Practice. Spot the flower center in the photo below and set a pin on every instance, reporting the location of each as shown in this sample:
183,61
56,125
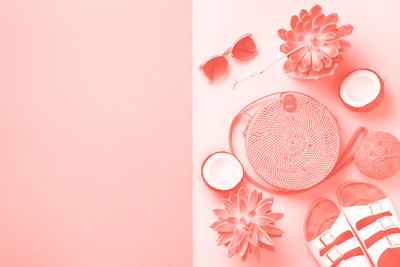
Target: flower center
246,225
312,42
315,41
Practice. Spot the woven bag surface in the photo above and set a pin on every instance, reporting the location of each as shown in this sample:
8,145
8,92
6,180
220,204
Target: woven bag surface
293,149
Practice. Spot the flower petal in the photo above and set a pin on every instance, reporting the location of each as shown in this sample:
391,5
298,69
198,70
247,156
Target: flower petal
264,208
264,238
237,238
230,206
251,213
316,74
256,252
299,28
252,201
327,36
331,18
330,51
246,254
337,59
291,36
315,10
307,27
225,227
242,194
233,197
224,238
289,66
317,22
243,246
332,27
293,21
282,34
305,64
292,45
303,12
242,207
232,220
306,17
263,220
221,213
273,230
316,61
284,48
327,61
266,200
215,224
255,226
303,68
253,237
231,251
344,45
344,30
329,71
276,216
298,55
260,197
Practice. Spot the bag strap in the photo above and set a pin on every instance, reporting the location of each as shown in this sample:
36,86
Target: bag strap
347,156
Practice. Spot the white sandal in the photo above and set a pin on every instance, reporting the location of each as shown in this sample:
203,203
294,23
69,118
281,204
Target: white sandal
373,219
330,238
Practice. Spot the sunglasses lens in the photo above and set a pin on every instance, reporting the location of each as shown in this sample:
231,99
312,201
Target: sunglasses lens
215,68
245,49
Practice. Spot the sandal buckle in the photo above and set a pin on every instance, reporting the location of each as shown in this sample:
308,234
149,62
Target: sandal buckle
393,240
334,254
376,208
327,238
386,222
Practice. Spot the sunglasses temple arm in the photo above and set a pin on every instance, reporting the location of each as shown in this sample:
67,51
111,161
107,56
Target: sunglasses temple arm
235,84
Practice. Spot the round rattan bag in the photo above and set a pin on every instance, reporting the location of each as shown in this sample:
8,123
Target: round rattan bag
286,141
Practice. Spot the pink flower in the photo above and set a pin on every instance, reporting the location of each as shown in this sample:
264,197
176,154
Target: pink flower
246,224
314,44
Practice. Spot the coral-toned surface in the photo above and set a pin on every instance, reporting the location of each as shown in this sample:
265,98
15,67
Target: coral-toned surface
246,224
314,44
91,172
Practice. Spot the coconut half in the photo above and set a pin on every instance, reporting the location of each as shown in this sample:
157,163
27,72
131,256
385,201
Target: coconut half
361,90
222,171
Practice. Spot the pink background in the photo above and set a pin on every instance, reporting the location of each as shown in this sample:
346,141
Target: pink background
216,26
95,126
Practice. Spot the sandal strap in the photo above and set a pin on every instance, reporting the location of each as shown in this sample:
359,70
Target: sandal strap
339,240
376,225
371,219
336,245
383,234
341,262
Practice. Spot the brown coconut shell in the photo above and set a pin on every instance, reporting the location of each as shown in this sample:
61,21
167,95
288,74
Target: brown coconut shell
378,155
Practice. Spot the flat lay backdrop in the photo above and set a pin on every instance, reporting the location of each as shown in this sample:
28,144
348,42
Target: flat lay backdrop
95,133
216,25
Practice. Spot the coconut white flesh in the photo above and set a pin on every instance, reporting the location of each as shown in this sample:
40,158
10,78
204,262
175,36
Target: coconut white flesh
222,171
360,88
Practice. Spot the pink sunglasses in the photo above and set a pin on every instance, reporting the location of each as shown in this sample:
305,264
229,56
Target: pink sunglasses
243,50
